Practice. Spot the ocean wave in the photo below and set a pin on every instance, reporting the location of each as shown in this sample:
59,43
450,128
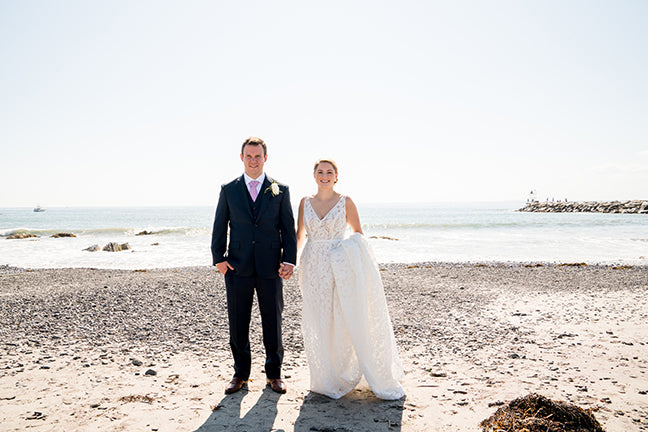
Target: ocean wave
526,224
127,231
419,225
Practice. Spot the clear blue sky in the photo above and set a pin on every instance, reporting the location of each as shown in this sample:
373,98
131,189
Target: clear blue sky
147,102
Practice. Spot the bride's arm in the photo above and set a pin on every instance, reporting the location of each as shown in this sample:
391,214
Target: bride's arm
301,230
353,219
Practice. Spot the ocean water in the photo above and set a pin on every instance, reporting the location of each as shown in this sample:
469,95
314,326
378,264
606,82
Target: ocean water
483,232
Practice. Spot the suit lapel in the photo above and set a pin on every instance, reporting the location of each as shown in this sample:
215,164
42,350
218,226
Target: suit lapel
263,196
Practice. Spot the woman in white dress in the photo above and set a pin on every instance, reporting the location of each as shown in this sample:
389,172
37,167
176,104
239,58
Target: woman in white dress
347,330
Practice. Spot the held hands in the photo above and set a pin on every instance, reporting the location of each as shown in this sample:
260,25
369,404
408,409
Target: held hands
286,271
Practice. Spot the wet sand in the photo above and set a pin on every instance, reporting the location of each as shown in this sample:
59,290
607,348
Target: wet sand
84,349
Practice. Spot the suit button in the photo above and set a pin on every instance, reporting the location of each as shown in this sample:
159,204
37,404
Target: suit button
253,242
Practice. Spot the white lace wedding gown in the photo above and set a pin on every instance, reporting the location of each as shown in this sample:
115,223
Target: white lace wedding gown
346,324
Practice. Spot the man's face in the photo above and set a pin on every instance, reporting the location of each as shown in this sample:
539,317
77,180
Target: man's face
253,160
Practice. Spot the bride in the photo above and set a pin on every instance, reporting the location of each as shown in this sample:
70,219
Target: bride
347,329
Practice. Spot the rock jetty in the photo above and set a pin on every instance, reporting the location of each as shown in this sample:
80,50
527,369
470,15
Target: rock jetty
632,207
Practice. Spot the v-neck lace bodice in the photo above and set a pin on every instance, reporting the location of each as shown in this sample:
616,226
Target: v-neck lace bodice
330,227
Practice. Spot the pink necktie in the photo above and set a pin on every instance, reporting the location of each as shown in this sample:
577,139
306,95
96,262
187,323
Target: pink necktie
253,189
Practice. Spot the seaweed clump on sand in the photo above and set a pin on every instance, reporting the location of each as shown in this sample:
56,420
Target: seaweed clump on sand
536,413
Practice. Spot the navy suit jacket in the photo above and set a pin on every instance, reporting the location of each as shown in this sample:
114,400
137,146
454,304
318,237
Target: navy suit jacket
256,245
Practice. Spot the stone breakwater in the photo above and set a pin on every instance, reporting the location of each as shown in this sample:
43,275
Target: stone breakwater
631,207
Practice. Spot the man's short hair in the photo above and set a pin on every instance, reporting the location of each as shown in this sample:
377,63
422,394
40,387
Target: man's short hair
255,142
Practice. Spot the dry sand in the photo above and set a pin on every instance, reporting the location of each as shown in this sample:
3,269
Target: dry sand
76,345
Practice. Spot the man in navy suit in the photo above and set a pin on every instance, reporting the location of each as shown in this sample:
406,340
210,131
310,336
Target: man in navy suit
262,251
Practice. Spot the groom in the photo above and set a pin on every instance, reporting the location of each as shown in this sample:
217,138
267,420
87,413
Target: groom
262,251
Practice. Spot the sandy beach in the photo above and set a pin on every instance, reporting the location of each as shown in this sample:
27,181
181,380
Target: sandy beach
123,350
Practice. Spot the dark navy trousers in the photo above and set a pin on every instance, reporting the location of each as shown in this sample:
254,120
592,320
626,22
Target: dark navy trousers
240,296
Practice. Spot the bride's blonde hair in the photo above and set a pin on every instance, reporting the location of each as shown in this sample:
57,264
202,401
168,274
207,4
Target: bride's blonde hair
329,161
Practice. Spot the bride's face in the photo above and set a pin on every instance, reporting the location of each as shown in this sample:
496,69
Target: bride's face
325,175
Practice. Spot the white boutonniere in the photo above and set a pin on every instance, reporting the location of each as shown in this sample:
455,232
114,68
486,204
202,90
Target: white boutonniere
273,188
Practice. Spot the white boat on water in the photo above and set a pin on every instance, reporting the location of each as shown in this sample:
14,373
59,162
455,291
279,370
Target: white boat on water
39,209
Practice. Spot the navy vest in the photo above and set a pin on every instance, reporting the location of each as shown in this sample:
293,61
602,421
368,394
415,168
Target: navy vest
254,205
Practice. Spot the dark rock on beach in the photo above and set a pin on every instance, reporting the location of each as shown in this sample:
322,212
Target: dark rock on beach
384,238
93,248
62,234
116,247
17,236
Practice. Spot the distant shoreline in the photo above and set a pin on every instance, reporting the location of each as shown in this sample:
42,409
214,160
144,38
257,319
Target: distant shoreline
623,207
6,269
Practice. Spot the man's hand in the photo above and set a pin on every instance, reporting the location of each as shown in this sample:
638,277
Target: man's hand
224,266
286,271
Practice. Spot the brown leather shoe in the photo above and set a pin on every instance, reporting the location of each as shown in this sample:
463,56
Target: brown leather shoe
277,385
235,385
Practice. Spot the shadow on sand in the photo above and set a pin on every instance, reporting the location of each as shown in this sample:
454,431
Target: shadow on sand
358,411
227,415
